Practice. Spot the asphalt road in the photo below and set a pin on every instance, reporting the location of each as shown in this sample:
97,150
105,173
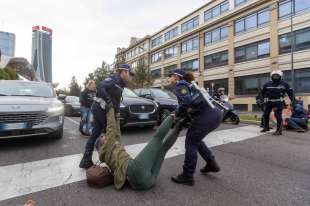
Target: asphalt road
264,170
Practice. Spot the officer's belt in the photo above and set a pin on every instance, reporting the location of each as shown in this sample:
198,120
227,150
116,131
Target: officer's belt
101,102
275,100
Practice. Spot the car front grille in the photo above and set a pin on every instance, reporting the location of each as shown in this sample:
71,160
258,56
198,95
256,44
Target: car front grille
33,118
141,109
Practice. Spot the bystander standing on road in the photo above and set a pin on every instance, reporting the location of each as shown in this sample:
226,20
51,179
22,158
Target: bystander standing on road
86,99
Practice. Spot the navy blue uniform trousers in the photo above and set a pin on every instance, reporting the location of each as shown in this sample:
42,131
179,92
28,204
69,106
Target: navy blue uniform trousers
278,106
100,123
203,123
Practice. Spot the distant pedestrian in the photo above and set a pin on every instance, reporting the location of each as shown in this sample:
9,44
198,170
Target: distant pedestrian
86,100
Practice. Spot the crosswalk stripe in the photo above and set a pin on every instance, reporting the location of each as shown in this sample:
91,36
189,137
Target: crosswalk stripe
26,178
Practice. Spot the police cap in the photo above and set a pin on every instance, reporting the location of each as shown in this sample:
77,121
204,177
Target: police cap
126,67
178,72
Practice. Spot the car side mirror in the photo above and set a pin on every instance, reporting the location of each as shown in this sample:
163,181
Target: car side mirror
148,96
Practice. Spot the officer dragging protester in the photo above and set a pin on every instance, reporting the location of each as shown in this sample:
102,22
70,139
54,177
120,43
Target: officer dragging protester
109,94
274,92
204,118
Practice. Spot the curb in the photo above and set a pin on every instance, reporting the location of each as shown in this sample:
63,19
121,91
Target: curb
250,122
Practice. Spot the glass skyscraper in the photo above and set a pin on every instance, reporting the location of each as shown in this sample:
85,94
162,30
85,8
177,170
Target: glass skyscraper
7,44
42,52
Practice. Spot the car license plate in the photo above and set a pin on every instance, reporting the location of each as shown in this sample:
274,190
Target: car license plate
13,126
143,116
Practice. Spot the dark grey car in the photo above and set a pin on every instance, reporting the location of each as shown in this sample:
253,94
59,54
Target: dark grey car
29,109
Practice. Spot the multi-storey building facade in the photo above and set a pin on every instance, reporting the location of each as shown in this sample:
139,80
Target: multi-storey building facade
235,44
7,44
42,52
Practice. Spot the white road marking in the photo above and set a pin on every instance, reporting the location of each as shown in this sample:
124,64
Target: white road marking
26,178
73,121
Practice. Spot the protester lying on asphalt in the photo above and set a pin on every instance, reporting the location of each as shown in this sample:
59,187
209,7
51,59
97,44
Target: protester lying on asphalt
299,119
142,171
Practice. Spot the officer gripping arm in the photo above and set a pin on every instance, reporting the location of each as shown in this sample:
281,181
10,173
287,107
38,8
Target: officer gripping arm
290,93
103,88
184,98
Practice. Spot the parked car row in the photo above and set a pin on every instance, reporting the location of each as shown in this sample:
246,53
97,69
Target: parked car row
33,109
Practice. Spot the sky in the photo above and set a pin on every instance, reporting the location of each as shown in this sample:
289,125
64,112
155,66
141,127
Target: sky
87,32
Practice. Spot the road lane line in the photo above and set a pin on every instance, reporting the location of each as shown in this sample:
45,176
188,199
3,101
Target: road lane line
73,121
26,178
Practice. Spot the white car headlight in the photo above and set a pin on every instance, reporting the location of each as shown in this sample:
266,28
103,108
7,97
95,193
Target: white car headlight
122,105
56,108
156,104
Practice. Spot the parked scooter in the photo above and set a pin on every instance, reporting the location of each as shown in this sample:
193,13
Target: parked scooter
229,113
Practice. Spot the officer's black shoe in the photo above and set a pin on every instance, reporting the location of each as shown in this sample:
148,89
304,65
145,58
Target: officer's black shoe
211,166
265,130
277,133
183,179
86,161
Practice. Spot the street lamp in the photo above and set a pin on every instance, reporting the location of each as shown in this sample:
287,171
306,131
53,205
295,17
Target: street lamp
292,46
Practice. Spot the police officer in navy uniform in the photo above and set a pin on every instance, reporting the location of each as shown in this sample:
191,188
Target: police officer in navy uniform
109,94
274,92
204,119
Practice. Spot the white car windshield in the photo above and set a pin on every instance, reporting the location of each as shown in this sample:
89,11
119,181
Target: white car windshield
163,94
129,93
13,88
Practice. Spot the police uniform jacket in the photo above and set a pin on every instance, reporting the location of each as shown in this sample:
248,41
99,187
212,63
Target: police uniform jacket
276,90
110,90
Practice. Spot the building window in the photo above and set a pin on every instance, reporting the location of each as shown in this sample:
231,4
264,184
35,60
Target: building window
252,21
216,11
156,57
171,34
156,73
213,85
169,70
190,45
239,2
134,64
250,85
216,60
285,43
302,79
157,41
191,24
192,65
285,7
241,107
301,38
217,34
170,52
252,51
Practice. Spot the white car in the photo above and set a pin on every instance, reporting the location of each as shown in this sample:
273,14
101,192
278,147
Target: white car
29,109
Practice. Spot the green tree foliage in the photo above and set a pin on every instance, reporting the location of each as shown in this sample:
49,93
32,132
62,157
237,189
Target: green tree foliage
8,74
100,73
63,91
74,87
142,78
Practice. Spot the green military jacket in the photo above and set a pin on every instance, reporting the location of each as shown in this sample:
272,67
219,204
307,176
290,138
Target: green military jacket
113,153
